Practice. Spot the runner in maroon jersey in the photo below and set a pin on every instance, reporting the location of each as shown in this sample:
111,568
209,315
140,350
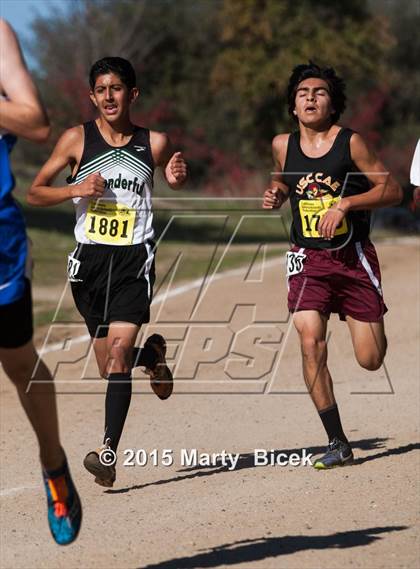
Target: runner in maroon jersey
333,181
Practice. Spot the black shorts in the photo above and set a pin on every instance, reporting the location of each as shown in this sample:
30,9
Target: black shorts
16,323
112,283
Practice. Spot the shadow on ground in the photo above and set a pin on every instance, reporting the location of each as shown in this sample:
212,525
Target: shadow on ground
247,461
253,550
388,452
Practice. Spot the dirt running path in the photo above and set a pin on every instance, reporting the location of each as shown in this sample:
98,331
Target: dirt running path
254,517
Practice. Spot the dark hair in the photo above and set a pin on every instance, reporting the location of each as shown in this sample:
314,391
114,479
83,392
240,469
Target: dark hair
117,65
336,86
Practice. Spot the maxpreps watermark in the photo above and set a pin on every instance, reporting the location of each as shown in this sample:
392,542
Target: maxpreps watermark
193,458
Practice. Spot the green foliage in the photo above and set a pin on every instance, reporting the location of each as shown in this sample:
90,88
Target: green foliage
399,118
263,40
213,73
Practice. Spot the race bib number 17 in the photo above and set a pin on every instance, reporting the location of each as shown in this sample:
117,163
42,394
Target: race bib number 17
294,263
311,212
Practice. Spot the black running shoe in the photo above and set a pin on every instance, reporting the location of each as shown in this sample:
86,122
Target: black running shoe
338,454
101,463
161,379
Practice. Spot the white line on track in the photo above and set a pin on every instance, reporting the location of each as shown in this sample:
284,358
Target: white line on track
8,492
196,283
187,287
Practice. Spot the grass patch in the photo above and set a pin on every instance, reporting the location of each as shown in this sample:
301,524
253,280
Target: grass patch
44,316
50,250
179,260
197,260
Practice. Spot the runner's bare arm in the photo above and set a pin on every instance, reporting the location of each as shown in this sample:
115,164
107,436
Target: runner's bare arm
67,152
385,191
278,192
22,112
172,163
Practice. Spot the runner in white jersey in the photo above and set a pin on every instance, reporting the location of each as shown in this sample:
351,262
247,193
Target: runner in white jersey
111,269
415,175
128,171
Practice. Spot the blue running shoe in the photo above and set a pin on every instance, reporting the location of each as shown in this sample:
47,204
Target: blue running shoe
64,507
338,454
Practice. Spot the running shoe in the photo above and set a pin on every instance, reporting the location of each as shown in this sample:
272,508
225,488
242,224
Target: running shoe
338,454
161,379
64,506
101,463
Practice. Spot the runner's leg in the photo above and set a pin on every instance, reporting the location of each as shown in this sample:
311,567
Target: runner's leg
114,356
369,342
120,341
101,354
147,356
39,402
312,328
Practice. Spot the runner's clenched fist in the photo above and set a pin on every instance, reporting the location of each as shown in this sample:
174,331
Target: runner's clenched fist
92,187
176,169
272,199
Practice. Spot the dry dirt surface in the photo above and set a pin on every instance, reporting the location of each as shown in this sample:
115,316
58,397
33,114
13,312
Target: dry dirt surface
238,388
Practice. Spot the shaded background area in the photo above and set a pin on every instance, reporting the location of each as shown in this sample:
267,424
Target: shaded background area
213,74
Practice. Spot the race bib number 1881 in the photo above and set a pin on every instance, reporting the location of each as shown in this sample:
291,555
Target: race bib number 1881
111,223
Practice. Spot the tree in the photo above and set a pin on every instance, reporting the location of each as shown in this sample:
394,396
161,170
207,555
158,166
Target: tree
262,40
213,73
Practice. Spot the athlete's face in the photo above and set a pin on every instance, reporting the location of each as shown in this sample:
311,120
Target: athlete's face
313,102
112,97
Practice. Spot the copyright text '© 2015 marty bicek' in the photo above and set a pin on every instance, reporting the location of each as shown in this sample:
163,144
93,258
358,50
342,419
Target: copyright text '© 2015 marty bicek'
230,460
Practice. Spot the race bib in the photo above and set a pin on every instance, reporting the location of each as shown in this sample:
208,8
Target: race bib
73,266
294,263
109,222
311,212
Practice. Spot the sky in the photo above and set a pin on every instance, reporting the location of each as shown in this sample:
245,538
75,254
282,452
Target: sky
20,13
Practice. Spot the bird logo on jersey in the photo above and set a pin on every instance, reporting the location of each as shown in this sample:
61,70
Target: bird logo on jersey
315,191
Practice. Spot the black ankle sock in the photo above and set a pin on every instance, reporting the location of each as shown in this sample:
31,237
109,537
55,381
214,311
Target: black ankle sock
145,356
117,403
58,471
330,418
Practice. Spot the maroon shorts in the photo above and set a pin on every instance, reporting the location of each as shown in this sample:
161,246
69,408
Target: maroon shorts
346,281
